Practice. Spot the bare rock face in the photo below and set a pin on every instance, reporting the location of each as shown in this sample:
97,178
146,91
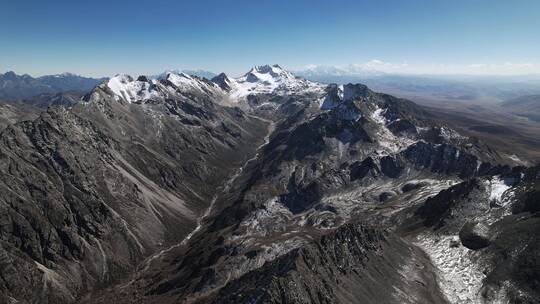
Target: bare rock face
354,264
474,236
11,113
62,99
437,209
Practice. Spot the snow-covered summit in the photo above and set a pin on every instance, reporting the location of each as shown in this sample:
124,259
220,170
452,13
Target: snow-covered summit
198,73
185,82
124,86
265,79
267,73
65,75
269,79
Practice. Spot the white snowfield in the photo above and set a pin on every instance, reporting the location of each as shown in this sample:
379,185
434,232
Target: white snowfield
459,274
497,187
123,86
461,270
390,143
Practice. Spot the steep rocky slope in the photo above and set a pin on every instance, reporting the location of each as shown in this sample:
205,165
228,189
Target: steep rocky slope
63,99
11,113
353,264
89,192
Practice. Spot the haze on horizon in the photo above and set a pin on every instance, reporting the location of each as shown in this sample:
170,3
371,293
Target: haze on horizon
103,38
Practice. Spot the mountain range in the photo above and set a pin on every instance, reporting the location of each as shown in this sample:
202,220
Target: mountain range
266,188
17,87
525,106
198,73
442,88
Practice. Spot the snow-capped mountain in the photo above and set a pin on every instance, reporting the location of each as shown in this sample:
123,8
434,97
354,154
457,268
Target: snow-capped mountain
266,188
125,87
198,73
259,80
140,90
270,79
322,71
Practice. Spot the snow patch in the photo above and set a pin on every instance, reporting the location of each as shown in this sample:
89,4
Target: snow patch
449,134
459,272
516,159
389,142
272,217
497,188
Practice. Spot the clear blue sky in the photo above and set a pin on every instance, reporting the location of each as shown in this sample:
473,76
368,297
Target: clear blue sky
101,38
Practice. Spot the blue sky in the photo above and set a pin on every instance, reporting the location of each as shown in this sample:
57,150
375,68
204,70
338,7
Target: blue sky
102,38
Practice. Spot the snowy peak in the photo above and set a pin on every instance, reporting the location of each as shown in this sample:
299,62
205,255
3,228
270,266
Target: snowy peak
224,82
268,73
65,75
180,79
198,73
123,86
271,79
185,82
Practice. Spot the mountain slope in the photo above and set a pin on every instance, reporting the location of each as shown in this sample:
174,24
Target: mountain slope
63,99
91,191
11,113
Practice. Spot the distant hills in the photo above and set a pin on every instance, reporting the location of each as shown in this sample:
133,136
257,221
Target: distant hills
435,88
524,106
18,87
37,90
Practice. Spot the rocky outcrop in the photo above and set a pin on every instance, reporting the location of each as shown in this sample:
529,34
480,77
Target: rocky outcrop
439,207
354,264
62,99
474,236
11,113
